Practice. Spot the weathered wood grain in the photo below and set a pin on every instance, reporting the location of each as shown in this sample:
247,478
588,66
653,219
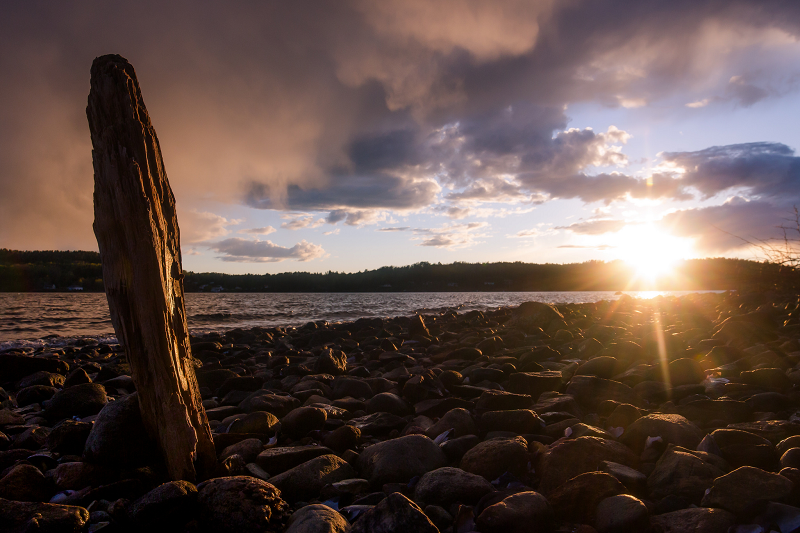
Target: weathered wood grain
137,231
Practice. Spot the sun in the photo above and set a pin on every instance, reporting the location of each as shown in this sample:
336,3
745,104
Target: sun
650,251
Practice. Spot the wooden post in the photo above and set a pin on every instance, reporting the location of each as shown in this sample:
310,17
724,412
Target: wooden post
137,231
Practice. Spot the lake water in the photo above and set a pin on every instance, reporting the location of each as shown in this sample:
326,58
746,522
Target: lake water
31,319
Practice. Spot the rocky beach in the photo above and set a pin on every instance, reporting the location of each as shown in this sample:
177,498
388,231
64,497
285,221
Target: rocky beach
675,414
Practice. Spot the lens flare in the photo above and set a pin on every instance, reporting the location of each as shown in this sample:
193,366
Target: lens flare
650,251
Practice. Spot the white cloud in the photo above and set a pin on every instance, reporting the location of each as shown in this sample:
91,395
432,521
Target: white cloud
699,103
201,226
301,221
259,231
245,251
451,236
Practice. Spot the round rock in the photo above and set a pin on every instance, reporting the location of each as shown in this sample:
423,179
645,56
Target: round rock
241,503
621,513
524,512
448,485
490,459
399,460
317,518
299,422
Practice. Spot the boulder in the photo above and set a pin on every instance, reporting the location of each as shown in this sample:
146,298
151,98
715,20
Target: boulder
523,512
377,423
282,458
623,415
35,394
535,383
673,429
69,437
634,481
306,480
299,422
240,503
258,423
790,459
81,400
772,430
621,513
518,421
684,371
742,490
492,458
20,517
394,514
355,388
14,367
569,458
399,460
26,483
32,438
771,379
696,520
604,367
9,417
530,316
342,438
446,486
168,506
576,500
248,449
557,402
416,326
458,419
118,437
264,400
77,377
387,402
75,475
681,473
317,518
331,361
740,448
590,391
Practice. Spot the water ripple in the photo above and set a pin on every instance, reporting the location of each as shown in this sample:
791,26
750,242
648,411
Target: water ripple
26,317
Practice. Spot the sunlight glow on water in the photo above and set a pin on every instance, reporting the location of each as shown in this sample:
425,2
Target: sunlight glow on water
32,316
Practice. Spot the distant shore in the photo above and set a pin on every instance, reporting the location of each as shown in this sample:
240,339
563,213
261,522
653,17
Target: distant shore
82,272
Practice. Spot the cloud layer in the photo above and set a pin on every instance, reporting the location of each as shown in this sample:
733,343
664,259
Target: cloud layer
354,112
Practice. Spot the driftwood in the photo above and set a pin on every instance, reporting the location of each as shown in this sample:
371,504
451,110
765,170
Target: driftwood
137,231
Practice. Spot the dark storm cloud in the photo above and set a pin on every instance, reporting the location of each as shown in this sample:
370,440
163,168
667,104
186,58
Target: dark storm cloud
239,250
354,106
375,191
765,170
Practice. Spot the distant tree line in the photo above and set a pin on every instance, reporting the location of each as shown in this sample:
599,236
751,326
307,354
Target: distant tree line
49,270
36,271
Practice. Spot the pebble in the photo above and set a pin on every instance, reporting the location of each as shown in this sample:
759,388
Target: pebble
535,418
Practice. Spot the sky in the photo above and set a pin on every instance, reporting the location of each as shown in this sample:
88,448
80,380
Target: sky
350,135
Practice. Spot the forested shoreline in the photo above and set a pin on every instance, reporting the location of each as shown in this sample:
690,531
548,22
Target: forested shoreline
62,271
